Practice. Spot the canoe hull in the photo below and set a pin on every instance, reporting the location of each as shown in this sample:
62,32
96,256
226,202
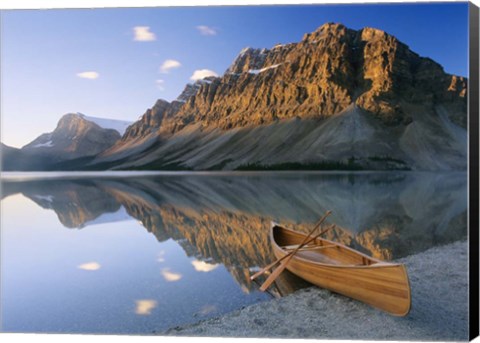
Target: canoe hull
381,285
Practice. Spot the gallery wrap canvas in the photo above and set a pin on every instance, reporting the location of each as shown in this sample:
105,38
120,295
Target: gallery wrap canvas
301,171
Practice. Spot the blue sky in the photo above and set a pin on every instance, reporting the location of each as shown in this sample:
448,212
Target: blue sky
108,62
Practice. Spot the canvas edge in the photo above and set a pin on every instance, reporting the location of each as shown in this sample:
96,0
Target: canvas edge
473,104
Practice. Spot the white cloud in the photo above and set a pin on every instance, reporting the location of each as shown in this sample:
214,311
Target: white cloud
201,266
160,84
92,75
143,34
145,307
90,266
201,74
206,31
170,276
168,65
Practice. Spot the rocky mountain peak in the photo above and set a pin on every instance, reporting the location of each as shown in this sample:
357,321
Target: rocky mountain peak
331,69
367,77
248,59
160,105
161,115
150,120
327,29
75,136
369,34
71,122
191,89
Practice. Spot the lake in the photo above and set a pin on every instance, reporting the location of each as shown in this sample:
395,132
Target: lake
139,253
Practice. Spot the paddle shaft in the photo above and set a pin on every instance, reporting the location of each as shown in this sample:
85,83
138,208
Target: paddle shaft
271,265
285,261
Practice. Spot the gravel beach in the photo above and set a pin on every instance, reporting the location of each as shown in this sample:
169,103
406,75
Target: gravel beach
439,284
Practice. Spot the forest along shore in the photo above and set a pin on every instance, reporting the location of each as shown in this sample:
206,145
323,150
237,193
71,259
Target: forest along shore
439,308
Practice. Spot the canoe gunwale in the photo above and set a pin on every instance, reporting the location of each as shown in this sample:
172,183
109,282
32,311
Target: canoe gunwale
377,263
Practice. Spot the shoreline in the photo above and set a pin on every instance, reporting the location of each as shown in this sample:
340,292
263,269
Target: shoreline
439,285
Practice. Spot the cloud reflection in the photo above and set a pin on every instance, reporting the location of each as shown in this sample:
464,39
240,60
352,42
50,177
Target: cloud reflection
161,256
170,276
90,266
144,307
201,266
207,309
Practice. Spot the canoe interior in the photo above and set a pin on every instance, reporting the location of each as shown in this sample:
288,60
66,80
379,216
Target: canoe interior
321,250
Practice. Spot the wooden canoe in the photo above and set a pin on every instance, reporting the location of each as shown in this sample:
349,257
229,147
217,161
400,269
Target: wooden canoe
345,271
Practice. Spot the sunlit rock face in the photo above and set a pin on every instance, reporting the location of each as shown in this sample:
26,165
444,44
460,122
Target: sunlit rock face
360,99
327,71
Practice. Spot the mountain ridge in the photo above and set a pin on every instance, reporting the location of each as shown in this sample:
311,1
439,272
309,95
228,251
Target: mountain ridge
332,71
337,99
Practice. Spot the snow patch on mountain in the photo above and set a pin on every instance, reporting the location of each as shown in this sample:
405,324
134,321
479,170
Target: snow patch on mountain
48,198
44,145
118,125
110,217
258,71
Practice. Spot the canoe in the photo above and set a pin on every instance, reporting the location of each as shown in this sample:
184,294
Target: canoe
346,271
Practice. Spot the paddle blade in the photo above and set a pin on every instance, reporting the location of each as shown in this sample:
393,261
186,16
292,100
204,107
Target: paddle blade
267,268
271,279
263,270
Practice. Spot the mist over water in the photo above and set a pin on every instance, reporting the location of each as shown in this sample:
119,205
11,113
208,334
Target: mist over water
140,253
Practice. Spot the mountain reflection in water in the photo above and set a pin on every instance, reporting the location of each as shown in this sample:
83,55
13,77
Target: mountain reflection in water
224,219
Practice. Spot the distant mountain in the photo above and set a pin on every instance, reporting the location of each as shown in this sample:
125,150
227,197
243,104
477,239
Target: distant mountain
75,136
16,159
338,99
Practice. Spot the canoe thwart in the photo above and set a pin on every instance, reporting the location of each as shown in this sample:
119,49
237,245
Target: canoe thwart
308,247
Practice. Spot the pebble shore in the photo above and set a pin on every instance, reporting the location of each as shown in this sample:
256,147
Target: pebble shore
439,284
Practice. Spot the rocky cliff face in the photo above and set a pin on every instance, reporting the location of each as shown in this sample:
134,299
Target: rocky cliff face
381,89
323,74
161,114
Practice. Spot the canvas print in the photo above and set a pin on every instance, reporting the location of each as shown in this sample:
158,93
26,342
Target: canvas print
290,171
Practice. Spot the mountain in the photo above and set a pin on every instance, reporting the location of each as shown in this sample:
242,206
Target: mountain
75,136
338,99
16,159
144,132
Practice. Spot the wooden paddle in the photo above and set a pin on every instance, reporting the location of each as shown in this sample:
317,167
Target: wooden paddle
285,259
271,265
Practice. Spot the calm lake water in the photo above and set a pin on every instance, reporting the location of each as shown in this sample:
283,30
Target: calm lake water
141,253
